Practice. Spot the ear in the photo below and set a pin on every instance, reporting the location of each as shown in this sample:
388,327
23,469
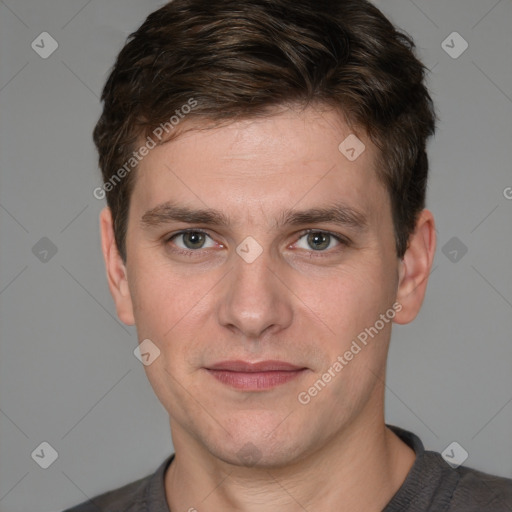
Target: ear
415,268
115,268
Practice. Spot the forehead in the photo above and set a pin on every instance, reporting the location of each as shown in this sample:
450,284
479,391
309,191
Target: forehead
262,166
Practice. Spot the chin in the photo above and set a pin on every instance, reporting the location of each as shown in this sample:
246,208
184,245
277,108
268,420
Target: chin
254,455
255,448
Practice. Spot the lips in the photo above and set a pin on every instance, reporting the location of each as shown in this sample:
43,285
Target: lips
261,376
247,367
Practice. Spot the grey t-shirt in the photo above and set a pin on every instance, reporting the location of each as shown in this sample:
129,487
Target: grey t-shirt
431,485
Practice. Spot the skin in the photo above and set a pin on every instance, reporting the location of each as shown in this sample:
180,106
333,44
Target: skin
292,303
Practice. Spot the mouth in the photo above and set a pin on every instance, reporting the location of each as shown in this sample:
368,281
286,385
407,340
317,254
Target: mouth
259,376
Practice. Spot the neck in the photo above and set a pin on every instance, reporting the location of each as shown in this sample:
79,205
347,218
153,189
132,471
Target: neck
358,471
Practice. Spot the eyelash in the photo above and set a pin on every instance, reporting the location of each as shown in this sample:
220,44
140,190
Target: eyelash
341,239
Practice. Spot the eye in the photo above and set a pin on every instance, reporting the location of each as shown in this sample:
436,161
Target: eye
320,241
191,240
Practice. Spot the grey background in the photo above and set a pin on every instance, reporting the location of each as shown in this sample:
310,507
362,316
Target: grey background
68,375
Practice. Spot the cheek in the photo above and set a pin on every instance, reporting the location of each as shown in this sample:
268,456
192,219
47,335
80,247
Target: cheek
160,296
171,310
348,299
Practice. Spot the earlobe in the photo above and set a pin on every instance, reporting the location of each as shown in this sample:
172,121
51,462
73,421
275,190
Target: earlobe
117,277
415,268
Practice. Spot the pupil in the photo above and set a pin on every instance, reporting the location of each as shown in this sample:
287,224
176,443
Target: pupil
193,239
318,240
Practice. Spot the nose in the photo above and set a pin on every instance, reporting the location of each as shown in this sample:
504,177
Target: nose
255,301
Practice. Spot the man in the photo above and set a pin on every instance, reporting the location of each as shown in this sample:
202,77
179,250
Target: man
265,171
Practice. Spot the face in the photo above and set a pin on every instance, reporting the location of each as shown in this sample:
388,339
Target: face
289,255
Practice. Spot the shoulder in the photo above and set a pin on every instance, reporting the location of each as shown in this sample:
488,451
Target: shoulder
433,484
478,491
142,495
129,497
465,489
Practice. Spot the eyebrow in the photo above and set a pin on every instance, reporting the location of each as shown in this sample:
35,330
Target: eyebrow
338,213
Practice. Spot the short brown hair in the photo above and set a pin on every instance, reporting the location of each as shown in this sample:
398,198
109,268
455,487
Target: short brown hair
241,58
